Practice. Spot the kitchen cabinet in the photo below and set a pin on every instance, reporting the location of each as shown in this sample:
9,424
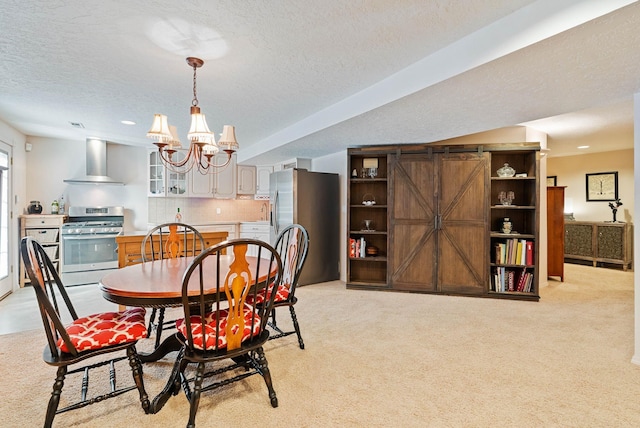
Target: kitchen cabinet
44,228
246,180
601,243
301,163
555,231
254,230
129,246
225,186
162,182
262,179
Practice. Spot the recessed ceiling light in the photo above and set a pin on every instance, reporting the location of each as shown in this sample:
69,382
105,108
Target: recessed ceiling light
583,147
127,122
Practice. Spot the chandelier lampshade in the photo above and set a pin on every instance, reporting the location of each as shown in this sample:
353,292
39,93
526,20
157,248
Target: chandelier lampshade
228,141
202,143
160,129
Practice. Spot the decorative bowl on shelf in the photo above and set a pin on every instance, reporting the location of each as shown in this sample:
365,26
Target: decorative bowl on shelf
368,199
506,171
372,250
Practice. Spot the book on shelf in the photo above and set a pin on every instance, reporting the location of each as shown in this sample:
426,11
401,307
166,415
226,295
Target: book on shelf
357,247
514,252
529,253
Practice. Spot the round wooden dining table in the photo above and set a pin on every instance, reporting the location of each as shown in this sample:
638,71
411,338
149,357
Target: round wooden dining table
158,283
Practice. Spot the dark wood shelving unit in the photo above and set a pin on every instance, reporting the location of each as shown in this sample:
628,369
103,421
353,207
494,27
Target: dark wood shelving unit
437,218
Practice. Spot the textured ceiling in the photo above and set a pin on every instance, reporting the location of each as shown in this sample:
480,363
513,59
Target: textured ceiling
308,78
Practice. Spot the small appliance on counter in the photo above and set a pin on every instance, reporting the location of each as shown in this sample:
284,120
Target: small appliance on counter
34,207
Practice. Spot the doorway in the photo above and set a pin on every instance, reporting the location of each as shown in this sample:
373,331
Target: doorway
6,283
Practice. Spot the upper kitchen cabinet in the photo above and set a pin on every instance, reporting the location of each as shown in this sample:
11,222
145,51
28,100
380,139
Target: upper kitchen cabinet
225,181
221,184
162,181
156,177
262,179
246,180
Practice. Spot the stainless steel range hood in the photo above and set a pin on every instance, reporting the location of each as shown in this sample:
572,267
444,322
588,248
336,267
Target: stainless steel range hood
96,165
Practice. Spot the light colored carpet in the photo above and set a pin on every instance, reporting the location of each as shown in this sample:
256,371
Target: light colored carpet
394,359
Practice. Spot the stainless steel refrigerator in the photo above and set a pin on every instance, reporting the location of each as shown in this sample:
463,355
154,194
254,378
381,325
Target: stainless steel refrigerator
312,200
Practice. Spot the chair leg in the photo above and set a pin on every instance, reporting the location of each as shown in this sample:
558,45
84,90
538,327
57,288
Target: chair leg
273,318
136,369
152,318
195,396
55,396
159,326
264,370
294,318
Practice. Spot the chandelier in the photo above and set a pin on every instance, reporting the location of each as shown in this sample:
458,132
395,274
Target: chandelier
202,143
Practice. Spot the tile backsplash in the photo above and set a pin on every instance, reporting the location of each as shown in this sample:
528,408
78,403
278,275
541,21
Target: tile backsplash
202,211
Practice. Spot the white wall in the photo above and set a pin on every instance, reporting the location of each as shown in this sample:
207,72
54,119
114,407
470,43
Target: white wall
571,172
337,163
51,161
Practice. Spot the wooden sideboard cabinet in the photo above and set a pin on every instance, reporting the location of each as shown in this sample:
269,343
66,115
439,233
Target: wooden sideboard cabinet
599,242
129,246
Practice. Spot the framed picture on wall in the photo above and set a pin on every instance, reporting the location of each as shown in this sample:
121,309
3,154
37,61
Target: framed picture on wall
552,180
602,186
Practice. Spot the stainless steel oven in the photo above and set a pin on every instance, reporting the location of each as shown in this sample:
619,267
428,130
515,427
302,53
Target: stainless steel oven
89,248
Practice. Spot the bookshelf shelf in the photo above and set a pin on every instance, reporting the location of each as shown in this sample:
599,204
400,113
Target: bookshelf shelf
514,266
367,222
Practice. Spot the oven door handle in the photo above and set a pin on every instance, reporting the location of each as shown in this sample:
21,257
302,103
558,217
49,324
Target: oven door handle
84,237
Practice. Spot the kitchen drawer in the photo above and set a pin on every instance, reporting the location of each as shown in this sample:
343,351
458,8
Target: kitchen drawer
33,221
44,236
254,227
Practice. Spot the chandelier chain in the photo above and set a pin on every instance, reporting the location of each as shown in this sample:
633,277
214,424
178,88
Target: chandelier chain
194,102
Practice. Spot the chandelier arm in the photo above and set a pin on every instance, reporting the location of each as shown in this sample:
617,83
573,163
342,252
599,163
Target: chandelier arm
175,166
212,168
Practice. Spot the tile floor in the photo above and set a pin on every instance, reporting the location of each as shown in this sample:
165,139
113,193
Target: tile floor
19,310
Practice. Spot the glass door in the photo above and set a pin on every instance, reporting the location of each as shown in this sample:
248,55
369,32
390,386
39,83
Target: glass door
5,230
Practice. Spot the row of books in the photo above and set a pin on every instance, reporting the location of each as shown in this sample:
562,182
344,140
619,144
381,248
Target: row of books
510,280
357,247
514,251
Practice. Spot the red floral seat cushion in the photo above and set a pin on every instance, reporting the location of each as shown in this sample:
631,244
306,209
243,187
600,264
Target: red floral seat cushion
282,294
106,329
210,328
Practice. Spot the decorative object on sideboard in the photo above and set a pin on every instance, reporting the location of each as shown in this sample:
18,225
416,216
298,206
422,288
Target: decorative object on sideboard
202,143
506,171
602,186
614,208
34,207
506,198
552,180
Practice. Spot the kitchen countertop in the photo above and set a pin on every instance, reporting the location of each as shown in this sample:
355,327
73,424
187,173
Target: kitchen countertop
203,227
